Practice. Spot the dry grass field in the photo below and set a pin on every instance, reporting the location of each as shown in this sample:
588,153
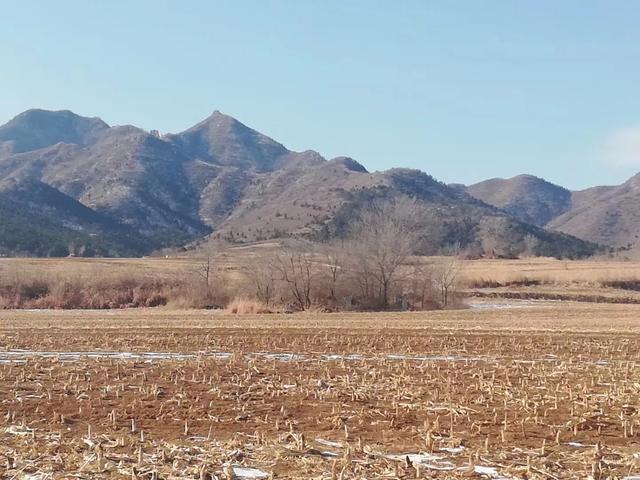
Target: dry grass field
175,282
545,269
536,391
596,281
551,270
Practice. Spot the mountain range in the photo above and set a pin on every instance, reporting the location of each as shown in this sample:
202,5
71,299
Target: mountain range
75,185
607,215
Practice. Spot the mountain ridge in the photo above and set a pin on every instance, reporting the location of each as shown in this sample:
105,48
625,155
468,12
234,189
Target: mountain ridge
608,215
223,179
529,198
36,128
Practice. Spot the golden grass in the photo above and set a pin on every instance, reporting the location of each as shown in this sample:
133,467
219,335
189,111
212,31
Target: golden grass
118,283
544,269
246,306
548,270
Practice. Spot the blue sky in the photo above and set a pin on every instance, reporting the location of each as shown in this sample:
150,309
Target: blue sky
465,90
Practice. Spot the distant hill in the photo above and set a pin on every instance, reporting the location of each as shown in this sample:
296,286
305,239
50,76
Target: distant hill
525,197
35,129
38,219
71,184
608,215
223,140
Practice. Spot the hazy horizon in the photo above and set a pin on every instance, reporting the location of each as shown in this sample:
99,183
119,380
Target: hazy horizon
463,91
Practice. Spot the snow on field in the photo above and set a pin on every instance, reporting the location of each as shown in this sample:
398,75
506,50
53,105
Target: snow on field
510,304
20,356
249,473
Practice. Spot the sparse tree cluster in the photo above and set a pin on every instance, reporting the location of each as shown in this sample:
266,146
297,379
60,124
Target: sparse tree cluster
373,268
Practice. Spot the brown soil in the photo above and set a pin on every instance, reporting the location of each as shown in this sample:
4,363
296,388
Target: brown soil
512,387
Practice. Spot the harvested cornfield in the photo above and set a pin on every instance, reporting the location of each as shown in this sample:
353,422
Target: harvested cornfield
550,391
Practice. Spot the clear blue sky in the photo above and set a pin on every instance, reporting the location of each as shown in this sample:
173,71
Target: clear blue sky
464,90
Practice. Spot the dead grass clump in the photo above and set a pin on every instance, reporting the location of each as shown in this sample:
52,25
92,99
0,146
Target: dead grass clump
631,284
195,294
522,281
32,290
78,293
247,306
327,277
103,297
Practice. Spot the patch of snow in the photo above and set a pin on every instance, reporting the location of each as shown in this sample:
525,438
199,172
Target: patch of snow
20,356
413,457
329,454
249,473
18,430
425,460
328,443
490,472
416,358
283,357
576,444
454,450
478,305
437,358
334,356
15,356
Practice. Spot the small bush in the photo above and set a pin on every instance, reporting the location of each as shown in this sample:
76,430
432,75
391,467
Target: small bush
245,306
523,281
33,290
633,284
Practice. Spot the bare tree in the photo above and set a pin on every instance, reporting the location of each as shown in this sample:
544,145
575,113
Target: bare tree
531,244
446,274
421,284
207,270
382,238
333,256
357,269
294,266
490,245
262,276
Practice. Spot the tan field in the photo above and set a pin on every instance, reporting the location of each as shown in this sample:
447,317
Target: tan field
545,269
175,282
552,270
538,391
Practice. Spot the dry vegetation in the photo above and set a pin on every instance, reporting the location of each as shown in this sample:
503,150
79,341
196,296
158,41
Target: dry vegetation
371,269
292,277
551,270
600,281
547,392
339,279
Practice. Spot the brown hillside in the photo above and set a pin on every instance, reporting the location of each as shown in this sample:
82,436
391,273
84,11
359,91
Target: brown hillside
529,199
607,215
224,178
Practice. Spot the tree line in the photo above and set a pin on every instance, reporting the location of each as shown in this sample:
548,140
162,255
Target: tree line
372,268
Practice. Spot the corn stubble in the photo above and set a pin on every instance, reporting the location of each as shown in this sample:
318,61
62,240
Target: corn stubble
388,402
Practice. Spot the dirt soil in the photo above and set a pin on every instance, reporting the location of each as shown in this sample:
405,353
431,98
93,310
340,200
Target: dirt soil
550,391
